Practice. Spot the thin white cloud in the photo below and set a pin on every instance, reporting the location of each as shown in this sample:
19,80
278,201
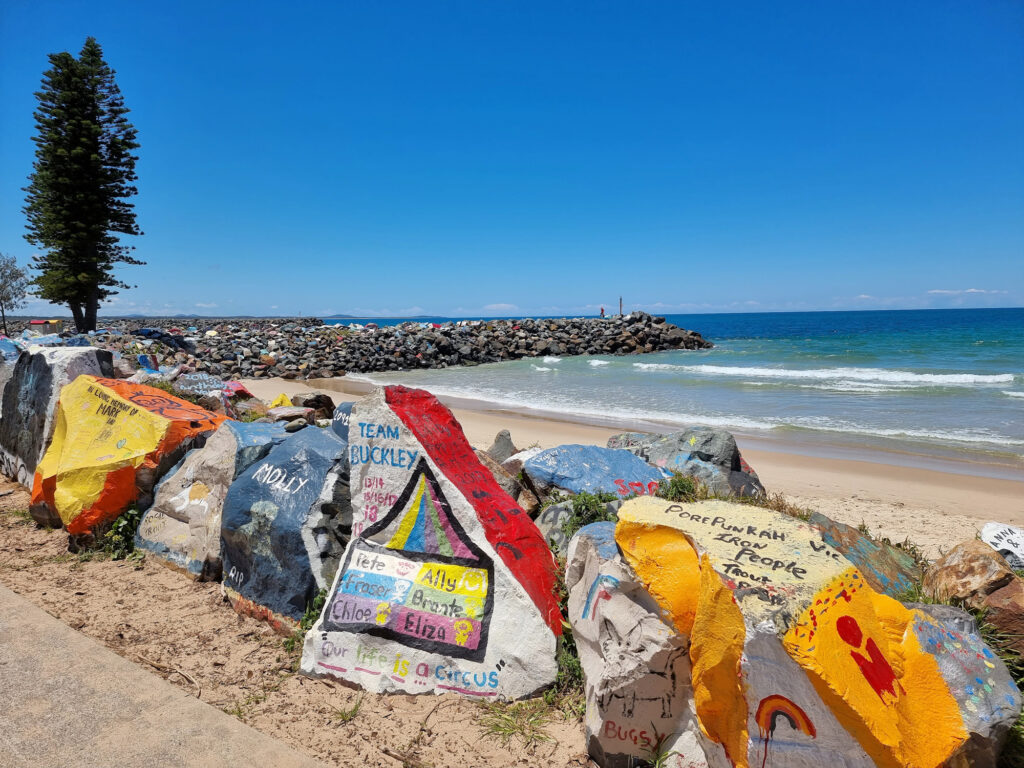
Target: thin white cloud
864,296
203,305
501,307
960,291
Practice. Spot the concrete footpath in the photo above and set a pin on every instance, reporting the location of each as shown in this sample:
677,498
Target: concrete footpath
66,701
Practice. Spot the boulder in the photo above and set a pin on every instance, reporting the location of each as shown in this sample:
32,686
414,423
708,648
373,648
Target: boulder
528,502
447,585
1005,612
551,524
112,442
635,664
505,481
710,456
1008,541
502,448
627,440
291,413
30,405
198,385
182,528
253,409
969,572
577,468
322,404
796,660
514,463
886,568
285,524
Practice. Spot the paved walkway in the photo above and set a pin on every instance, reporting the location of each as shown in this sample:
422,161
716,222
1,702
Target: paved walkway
67,701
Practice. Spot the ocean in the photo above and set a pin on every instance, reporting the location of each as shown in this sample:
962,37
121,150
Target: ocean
918,387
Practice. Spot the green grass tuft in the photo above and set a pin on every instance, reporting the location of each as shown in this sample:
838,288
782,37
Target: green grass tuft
293,643
521,720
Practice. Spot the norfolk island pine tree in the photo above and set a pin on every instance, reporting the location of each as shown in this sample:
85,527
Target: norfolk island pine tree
78,198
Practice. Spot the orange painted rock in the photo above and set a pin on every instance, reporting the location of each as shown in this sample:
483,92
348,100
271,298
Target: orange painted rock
795,659
111,443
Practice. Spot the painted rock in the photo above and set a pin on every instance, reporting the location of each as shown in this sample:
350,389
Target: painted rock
886,568
710,456
182,528
1008,541
635,664
969,572
285,524
448,585
30,405
577,468
796,660
113,440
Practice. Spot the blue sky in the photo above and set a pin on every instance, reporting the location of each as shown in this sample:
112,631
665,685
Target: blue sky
463,158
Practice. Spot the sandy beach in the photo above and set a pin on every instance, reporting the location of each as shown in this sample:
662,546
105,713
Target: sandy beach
933,509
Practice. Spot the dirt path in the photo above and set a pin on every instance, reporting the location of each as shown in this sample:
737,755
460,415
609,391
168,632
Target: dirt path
186,633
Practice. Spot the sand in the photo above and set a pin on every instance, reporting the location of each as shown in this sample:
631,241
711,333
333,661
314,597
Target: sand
187,633
935,510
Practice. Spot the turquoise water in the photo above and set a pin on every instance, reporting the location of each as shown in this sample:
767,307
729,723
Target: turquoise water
946,383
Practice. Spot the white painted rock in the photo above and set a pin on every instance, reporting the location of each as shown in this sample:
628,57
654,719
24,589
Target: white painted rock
1007,540
447,585
182,528
636,665
30,404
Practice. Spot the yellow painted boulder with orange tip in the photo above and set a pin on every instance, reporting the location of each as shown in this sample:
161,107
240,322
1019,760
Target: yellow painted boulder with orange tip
796,661
110,440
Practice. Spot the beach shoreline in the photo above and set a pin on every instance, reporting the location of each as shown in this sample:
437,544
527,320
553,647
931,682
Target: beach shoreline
934,509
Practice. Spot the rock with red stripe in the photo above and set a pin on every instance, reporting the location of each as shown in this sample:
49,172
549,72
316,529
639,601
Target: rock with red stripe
447,585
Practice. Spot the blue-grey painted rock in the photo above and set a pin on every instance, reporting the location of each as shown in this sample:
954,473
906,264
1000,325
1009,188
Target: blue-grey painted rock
708,455
30,403
182,528
286,521
886,568
577,468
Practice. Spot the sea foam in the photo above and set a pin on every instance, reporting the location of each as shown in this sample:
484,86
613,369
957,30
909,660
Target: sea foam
836,374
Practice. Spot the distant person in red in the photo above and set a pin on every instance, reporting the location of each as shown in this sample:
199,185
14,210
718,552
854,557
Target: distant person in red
602,311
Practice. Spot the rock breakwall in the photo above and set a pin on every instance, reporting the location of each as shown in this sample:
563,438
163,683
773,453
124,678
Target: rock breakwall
306,348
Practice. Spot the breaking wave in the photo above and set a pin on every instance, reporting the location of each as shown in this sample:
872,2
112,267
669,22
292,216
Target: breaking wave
880,375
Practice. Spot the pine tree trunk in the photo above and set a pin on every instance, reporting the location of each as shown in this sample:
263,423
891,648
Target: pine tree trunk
4,315
76,313
92,306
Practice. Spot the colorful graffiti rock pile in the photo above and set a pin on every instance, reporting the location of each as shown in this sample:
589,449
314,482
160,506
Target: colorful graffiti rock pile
112,441
447,585
182,528
793,658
